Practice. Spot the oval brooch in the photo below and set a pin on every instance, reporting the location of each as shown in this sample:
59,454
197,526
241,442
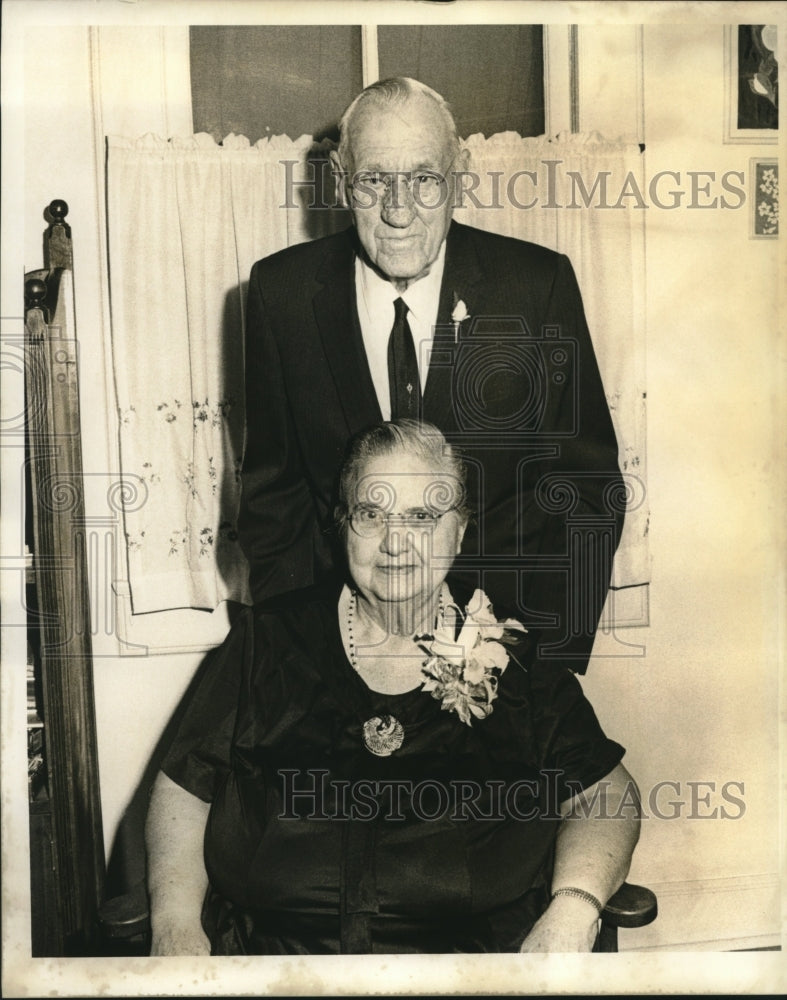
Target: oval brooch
383,735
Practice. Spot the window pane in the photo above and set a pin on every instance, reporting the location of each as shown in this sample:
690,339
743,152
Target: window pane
491,75
272,80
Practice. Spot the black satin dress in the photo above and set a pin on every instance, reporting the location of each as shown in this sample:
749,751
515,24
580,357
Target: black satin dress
316,846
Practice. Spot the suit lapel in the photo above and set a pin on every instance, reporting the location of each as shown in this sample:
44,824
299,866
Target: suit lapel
336,316
462,281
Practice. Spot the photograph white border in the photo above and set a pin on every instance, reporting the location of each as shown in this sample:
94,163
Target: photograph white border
632,973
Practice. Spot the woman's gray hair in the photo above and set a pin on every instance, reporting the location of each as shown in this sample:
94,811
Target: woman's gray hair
395,90
402,437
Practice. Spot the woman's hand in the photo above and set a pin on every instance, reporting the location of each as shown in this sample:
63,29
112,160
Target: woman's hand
173,934
177,880
567,925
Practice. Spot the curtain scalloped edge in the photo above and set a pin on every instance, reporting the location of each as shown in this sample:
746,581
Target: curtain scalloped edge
585,142
204,141
574,141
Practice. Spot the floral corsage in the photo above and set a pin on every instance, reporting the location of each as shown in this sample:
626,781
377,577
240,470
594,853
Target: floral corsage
463,671
458,316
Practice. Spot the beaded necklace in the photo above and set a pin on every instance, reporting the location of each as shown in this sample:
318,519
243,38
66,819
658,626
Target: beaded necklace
351,604
382,734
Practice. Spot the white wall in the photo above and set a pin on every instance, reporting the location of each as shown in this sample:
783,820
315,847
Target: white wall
701,704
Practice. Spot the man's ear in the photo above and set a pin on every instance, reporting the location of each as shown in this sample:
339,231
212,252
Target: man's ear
340,177
463,159
459,167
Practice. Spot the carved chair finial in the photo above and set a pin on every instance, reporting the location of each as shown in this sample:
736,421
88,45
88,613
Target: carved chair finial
35,293
57,239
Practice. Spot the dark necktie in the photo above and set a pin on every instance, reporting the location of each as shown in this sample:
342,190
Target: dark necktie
403,378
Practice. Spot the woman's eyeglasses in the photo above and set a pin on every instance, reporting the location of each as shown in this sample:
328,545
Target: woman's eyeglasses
370,521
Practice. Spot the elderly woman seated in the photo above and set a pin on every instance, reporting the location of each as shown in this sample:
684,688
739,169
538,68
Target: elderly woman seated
382,766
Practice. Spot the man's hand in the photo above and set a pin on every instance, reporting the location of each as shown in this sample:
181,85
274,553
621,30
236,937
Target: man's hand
568,925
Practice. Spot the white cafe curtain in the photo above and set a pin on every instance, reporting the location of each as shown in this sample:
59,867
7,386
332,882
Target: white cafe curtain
187,218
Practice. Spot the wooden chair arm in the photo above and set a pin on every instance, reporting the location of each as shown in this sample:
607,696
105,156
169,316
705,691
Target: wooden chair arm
126,916
631,906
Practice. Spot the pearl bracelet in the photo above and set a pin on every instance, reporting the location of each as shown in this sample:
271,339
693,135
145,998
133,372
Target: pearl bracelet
580,894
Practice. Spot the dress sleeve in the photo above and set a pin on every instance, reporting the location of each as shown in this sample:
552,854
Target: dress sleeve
198,757
573,747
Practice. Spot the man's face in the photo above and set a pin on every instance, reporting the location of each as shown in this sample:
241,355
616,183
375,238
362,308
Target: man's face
401,226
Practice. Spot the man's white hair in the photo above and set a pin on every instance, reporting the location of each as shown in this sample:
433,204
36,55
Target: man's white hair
395,90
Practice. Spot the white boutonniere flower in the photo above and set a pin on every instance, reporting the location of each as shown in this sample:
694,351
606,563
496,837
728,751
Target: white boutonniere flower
459,315
463,672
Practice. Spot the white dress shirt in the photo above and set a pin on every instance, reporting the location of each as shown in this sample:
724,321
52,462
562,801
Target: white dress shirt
375,297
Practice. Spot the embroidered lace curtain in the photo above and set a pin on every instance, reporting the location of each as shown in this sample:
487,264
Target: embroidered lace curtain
188,218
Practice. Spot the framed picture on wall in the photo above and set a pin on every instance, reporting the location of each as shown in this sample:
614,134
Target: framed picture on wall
764,218
751,81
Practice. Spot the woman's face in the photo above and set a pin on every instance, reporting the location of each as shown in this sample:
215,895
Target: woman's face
406,548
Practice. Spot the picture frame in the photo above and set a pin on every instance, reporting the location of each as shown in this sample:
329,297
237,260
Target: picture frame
747,110
764,198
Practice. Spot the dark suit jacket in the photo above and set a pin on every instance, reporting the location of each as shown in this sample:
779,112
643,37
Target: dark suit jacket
518,390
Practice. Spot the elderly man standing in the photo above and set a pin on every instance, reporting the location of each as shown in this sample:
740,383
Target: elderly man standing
408,313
